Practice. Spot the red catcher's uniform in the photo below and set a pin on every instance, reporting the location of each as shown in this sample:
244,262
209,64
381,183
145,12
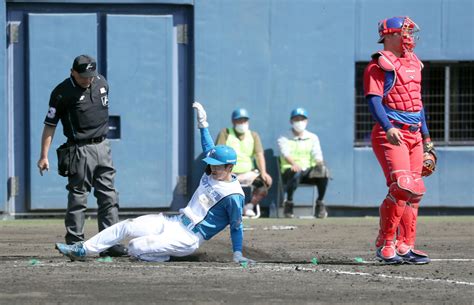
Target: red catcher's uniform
398,82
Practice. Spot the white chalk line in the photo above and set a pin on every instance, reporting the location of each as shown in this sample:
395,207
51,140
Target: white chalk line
376,262
398,277
262,266
452,260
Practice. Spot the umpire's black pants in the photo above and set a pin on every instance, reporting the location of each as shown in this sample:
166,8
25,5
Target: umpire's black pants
94,170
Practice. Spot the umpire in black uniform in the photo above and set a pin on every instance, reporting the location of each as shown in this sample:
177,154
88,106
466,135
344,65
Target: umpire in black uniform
81,103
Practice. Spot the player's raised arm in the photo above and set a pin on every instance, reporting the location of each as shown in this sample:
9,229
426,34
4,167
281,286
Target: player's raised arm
206,139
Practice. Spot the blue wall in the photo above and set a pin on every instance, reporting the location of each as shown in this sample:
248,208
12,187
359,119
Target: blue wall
443,25
3,114
270,56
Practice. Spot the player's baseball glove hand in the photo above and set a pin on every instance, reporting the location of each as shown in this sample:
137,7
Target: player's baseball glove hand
201,115
429,159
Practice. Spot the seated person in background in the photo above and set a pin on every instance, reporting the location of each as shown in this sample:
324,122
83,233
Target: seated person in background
249,148
252,209
301,161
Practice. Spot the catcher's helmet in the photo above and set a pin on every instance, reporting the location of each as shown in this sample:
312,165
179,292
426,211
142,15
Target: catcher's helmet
390,25
240,113
299,112
220,155
403,25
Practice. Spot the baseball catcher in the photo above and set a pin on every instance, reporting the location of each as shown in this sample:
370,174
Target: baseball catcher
400,138
217,202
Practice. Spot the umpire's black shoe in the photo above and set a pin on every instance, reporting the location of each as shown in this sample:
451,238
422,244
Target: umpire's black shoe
115,251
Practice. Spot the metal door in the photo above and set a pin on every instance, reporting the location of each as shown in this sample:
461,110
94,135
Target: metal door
147,64
142,74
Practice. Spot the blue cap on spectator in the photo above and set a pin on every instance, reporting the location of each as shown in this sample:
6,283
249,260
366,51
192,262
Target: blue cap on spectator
239,114
299,111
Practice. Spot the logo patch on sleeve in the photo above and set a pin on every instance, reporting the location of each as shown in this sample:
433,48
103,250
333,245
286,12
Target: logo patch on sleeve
51,112
105,100
102,90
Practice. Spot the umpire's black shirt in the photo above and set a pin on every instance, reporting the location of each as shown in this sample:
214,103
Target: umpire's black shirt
84,113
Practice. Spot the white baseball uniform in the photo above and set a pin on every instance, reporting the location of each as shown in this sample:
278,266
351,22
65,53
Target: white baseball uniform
214,205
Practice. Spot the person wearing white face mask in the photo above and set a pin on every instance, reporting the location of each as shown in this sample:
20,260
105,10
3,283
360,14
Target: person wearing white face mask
301,161
249,149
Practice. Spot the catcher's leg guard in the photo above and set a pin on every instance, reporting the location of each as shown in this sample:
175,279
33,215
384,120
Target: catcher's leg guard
390,213
406,186
407,229
407,235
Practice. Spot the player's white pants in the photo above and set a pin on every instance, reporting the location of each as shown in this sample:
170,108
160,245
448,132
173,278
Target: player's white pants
154,238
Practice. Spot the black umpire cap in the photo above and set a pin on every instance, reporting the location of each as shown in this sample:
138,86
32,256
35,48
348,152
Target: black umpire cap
85,65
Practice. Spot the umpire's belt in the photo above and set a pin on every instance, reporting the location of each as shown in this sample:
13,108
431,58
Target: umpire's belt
87,141
188,223
409,127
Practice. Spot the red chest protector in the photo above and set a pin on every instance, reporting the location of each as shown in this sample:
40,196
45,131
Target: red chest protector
405,93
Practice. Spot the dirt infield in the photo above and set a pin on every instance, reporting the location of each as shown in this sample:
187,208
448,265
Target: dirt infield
300,262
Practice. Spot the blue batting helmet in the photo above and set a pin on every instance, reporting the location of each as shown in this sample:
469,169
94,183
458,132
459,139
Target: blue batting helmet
240,113
299,111
221,154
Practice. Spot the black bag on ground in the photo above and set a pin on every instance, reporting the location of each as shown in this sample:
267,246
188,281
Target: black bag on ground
66,160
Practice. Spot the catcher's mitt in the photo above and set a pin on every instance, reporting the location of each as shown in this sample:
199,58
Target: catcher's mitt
429,159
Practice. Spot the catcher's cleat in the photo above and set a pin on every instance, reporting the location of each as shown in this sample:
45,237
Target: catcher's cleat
321,211
410,255
414,257
75,252
388,255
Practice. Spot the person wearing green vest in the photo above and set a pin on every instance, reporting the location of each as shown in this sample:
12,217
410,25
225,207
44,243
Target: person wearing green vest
249,149
301,161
